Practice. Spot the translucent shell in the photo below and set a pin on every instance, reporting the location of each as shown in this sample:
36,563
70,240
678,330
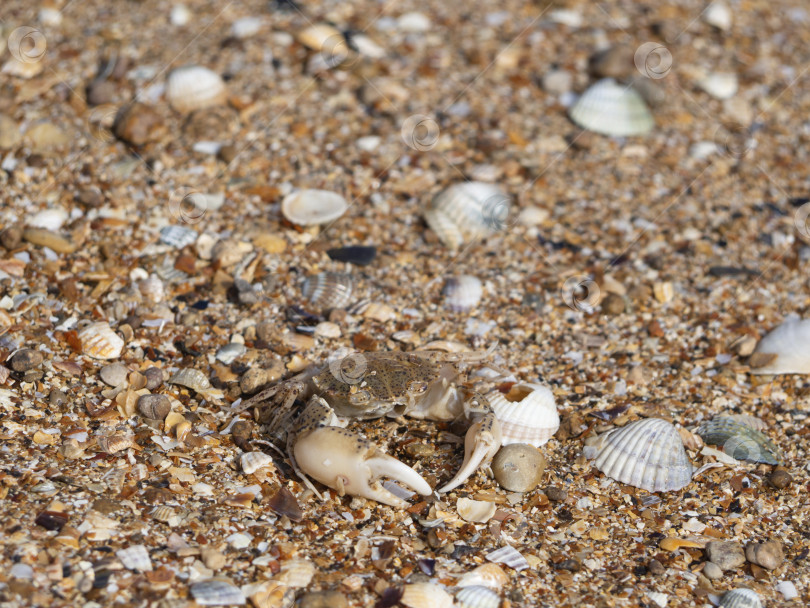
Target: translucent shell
468,211
740,598
328,290
785,350
646,454
100,341
194,87
528,414
739,440
611,109
462,293
313,207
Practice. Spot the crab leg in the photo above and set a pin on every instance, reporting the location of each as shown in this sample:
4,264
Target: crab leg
343,460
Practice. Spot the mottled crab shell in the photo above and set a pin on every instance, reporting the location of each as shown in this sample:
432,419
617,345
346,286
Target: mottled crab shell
789,348
739,440
194,87
100,341
467,211
646,454
328,290
611,109
740,598
528,414
462,293
313,207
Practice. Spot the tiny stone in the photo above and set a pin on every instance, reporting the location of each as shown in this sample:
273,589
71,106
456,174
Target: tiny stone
769,555
556,494
114,374
780,478
571,565
154,378
418,449
90,197
255,378
323,599
727,555
156,407
137,124
518,467
57,398
227,153
613,304
100,92
25,359
213,558
712,571
11,237
655,567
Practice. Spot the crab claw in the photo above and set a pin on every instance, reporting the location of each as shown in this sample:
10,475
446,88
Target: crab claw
352,465
481,443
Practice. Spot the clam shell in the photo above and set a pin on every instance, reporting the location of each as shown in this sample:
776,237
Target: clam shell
135,557
313,207
194,87
214,592
328,290
611,109
646,454
253,461
790,343
317,35
739,440
477,597
462,293
531,418
740,598
509,556
720,85
100,341
758,424
478,511
425,595
491,576
467,211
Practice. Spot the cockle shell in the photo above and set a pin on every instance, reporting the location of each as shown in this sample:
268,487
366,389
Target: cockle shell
313,207
467,211
135,557
611,109
509,556
740,598
462,293
295,572
785,350
528,414
253,461
477,511
646,454
739,440
425,595
215,592
100,341
328,290
477,596
194,87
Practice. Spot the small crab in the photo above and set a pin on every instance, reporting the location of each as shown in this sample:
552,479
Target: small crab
419,384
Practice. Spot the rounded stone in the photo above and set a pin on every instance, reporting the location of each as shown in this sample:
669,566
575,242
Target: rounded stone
769,555
613,304
780,478
156,407
25,359
726,555
154,378
556,494
323,599
518,467
712,571
114,374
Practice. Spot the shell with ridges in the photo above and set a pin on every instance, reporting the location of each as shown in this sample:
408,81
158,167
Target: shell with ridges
253,461
509,556
789,345
528,414
135,557
646,454
477,596
462,293
467,211
611,109
739,440
740,598
191,378
490,575
214,592
194,87
425,595
100,341
313,207
328,290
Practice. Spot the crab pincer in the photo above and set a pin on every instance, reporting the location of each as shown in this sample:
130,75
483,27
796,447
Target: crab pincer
481,443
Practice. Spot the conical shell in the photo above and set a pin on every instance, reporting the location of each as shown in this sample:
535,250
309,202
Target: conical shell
100,341
646,454
194,87
789,348
739,440
328,290
467,211
462,293
528,414
612,109
740,598
135,557
477,597
215,592
425,595
313,207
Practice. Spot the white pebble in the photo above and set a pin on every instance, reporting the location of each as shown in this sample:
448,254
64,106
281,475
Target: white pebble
787,589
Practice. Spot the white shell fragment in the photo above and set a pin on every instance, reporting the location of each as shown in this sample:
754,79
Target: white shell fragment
425,595
477,596
467,211
720,85
528,414
230,352
789,347
646,454
718,14
328,290
612,109
313,207
740,598
462,293
476,511
214,592
135,557
178,236
491,576
508,556
194,87
253,461
191,378
100,341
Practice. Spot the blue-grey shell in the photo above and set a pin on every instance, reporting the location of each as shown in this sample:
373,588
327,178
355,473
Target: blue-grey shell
739,440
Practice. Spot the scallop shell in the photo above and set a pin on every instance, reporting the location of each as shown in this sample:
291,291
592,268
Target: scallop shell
194,87
467,211
328,290
135,557
313,207
789,348
162,513
477,511
477,597
100,341
462,293
611,109
739,440
646,454
214,592
527,414
425,595
758,424
509,556
740,598
253,461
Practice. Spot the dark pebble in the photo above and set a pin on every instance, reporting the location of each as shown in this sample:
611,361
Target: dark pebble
780,478
90,197
57,398
613,304
100,92
51,520
571,565
25,359
655,567
11,237
556,494
362,255
154,378
156,407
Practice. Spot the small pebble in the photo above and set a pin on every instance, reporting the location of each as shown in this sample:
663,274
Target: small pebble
156,407
780,478
114,374
154,378
613,304
100,92
360,255
726,555
518,467
90,197
25,359
788,590
419,449
769,555
712,571
138,124
556,494
213,558
323,599
11,237
655,567
57,398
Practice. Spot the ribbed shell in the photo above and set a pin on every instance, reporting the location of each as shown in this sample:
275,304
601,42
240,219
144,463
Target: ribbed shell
477,597
178,236
739,440
790,342
508,556
313,207
191,378
253,461
462,293
135,557
100,341
328,290
646,454
425,595
533,419
490,575
194,87
612,109
467,211
215,592
740,598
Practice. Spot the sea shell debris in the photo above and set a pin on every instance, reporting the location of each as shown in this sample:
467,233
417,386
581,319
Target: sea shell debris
328,290
740,598
463,293
739,440
99,341
135,557
312,207
253,461
468,211
477,596
476,511
215,592
508,556
425,595
784,350
611,109
528,414
194,87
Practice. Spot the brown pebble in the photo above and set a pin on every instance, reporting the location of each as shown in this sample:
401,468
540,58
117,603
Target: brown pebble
257,377
227,153
11,236
615,62
780,478
769,555
90,197
57,398
240,433
25,359
138,124
571,565
323,599
655,567
518,467
156,407
613,304
418,449
726,554
213,558
556,494
100,92
154,378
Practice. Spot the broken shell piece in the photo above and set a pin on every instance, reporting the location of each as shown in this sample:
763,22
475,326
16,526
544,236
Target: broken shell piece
100,341
718,14
527,414
477,596
313,207
611,109
425,595
253,461
317,36
477,511
194,87
191,378
739,440
491,576
462,293
720,85
785,350
328,290
296,572
215,592
646,454
740,598
135,557
509,556
467,211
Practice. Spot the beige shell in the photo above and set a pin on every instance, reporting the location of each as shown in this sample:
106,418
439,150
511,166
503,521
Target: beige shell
528,414
328,290
191,378
425,595
740,598
100,341
135,557
295,572
194,87
646,454
509,556
215,592
477,511
115,443
477,596
462,293
162,513
467,211
785,350
491,576
317,35
313,207
612,109
253,461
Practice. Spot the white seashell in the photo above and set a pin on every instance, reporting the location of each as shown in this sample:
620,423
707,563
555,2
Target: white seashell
100,341
49,219
180,15
215,592
462,293
328,290
319,36
194,87
425,595
152,289
509,556
178,236
230,352
646,454
135,557
467,211
660,599
366,46
162,513
477,597
246,27
296,572
790,342
191,378
611,109
720,85
253,461
528,414
491,576
740,598
718,14
477,511
313,207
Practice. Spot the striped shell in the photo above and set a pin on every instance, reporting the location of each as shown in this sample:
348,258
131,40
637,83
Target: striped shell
740,598
508,556
477,597
739,440
178,236
646,454
191,378
296,572
527,414
214,592
100,341
425,595
194,87
611,109
313,207
462,293
253,461
135,557
328,290
789,347
467,211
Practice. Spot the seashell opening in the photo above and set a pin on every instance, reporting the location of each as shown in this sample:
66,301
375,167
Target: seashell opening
313,207
611,109
528,414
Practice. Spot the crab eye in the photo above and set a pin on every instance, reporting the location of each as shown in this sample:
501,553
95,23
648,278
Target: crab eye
360,397
417,387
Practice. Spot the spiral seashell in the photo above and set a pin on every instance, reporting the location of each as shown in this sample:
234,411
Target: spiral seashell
739,440
528,414
100,341
740,598
313,207
611,109
215,592
477,596
425,595
328,290
646,454
468,211
462,293
253,461
194,87
785,350
135,557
